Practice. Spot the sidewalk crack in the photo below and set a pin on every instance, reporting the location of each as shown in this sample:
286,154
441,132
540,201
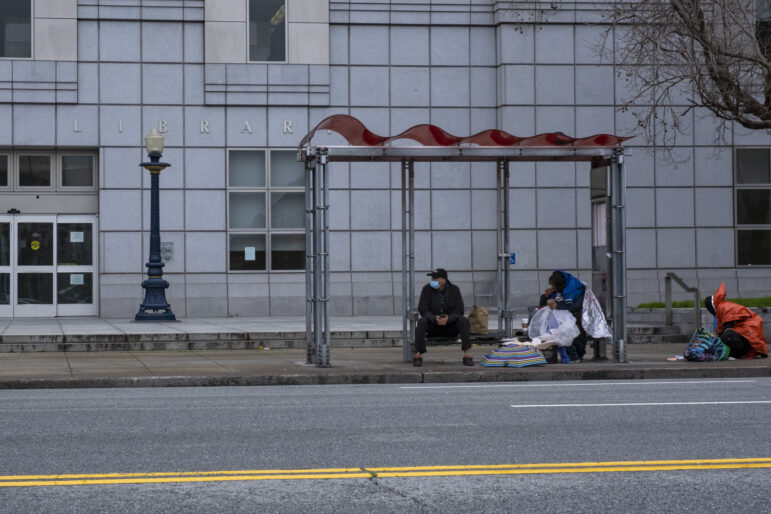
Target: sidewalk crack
142,363
210,359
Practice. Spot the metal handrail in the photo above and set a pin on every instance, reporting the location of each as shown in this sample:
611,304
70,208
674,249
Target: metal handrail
668,296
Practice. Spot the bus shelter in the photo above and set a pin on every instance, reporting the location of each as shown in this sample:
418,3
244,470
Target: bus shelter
428,143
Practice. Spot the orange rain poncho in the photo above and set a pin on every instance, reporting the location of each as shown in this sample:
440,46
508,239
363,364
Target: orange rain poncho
746,323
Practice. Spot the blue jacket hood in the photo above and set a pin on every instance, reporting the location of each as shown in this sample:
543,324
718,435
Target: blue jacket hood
573,287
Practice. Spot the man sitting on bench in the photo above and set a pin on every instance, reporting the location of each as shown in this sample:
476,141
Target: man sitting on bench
441,314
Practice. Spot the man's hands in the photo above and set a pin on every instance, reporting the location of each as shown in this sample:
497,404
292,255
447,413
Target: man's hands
552,303
549,291
441,320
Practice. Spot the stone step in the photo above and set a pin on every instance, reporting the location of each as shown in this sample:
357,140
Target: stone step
657,339
192,341
638,329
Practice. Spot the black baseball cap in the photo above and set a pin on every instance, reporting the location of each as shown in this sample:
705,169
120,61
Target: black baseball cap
438,273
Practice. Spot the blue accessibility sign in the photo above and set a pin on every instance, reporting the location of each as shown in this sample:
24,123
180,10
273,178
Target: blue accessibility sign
512,258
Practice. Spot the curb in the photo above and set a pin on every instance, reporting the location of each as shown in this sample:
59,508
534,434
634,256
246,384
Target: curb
412,377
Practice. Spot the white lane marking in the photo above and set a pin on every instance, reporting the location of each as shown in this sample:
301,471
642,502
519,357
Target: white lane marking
642,404
581,384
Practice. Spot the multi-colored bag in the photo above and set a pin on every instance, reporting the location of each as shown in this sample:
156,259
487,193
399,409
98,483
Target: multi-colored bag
706,346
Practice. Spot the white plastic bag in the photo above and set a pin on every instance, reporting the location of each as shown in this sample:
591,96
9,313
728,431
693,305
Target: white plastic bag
553,326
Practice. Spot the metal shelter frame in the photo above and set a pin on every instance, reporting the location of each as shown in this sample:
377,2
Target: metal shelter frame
494,146
317,160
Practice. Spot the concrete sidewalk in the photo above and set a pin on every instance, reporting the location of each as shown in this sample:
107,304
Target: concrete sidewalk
96,352
349,366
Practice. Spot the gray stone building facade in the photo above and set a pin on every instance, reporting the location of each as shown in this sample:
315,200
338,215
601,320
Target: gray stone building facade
235,84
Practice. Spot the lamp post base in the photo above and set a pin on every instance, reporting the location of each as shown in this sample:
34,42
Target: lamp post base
155,307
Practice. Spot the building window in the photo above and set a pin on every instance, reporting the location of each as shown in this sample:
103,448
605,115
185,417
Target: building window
753,206
3,170
16,28
267,30
266,210
47,171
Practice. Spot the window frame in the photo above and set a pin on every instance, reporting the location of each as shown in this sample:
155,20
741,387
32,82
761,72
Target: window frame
747,187
31,37
286,35
34,153
9,169
60,171
14,180
268,232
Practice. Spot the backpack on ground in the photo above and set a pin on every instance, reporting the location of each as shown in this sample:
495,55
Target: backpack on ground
706,346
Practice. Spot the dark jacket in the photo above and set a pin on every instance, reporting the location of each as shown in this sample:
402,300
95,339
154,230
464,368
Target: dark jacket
430,304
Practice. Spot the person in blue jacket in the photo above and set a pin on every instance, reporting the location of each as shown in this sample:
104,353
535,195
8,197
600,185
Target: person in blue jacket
567,292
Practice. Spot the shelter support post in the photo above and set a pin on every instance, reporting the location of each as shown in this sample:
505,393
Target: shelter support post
505,314
405,300
317,261
324,258
310,340
412,308
618,255
498,245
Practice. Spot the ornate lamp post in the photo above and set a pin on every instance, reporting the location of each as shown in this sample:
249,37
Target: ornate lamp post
155,307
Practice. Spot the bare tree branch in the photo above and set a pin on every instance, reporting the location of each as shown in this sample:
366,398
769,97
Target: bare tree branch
676,55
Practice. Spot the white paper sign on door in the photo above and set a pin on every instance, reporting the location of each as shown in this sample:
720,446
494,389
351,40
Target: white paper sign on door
76,237
250,253
76,279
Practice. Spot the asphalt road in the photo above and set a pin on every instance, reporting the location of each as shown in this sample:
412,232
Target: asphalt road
685,446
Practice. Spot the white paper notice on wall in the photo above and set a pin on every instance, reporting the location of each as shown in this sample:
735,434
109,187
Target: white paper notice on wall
249,253
76,237
76,279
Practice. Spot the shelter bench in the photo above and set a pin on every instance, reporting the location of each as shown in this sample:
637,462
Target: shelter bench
492,337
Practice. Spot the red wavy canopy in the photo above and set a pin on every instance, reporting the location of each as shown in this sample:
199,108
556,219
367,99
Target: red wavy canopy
357,134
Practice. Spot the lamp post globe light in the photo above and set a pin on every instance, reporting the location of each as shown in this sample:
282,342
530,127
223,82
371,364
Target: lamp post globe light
154,307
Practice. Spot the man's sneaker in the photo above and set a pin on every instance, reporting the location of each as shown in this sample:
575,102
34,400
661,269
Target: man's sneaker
417,361
468,361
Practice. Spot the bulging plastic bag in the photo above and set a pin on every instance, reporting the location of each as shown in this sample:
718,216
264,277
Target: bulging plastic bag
552,326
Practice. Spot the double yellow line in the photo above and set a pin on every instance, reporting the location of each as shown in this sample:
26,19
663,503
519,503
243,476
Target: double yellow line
390,472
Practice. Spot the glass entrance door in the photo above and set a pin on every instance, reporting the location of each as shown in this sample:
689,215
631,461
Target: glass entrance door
47,266
75,266
6,308
34,270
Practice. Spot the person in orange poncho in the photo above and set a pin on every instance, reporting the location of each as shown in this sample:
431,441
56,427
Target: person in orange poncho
738,327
